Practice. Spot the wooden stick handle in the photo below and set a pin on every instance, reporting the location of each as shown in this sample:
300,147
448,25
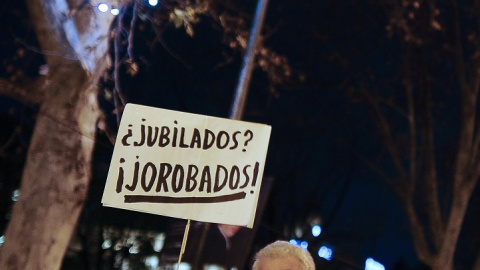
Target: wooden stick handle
184,243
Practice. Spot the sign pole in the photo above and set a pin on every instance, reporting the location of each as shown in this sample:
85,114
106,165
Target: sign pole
238,105
184,243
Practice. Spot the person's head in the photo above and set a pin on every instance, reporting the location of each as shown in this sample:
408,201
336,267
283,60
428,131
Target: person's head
282,255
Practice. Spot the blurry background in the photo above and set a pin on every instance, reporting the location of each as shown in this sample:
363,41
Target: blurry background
367,107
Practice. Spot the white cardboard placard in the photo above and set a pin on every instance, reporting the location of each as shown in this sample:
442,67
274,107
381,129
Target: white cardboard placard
187,166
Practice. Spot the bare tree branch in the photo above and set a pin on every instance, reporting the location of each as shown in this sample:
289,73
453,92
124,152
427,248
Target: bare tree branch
385,129
411,114
131,35
468,110
418,235
431,180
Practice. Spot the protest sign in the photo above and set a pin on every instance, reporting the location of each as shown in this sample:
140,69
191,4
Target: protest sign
187,166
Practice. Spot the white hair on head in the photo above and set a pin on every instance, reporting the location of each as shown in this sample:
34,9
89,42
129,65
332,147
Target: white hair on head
281,249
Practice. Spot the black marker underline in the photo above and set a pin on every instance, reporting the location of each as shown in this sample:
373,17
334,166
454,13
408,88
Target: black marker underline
165,199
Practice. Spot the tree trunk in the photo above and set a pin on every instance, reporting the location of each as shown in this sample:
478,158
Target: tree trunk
57,171
444,260
56,175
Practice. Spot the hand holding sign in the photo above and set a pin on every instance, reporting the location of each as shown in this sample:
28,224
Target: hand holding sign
187,166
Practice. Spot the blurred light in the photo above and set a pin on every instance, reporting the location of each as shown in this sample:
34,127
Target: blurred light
316,230
115,11
153,2
151,262
15,194
103,7
298,243
134,250
132,237
298,231
118,246
2,240
159,242
125,264
371,264
117,261
107,244
213,267
182,266
325,252
43,70
295,242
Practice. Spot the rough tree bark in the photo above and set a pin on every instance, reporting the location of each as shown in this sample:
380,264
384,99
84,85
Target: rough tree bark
57,171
